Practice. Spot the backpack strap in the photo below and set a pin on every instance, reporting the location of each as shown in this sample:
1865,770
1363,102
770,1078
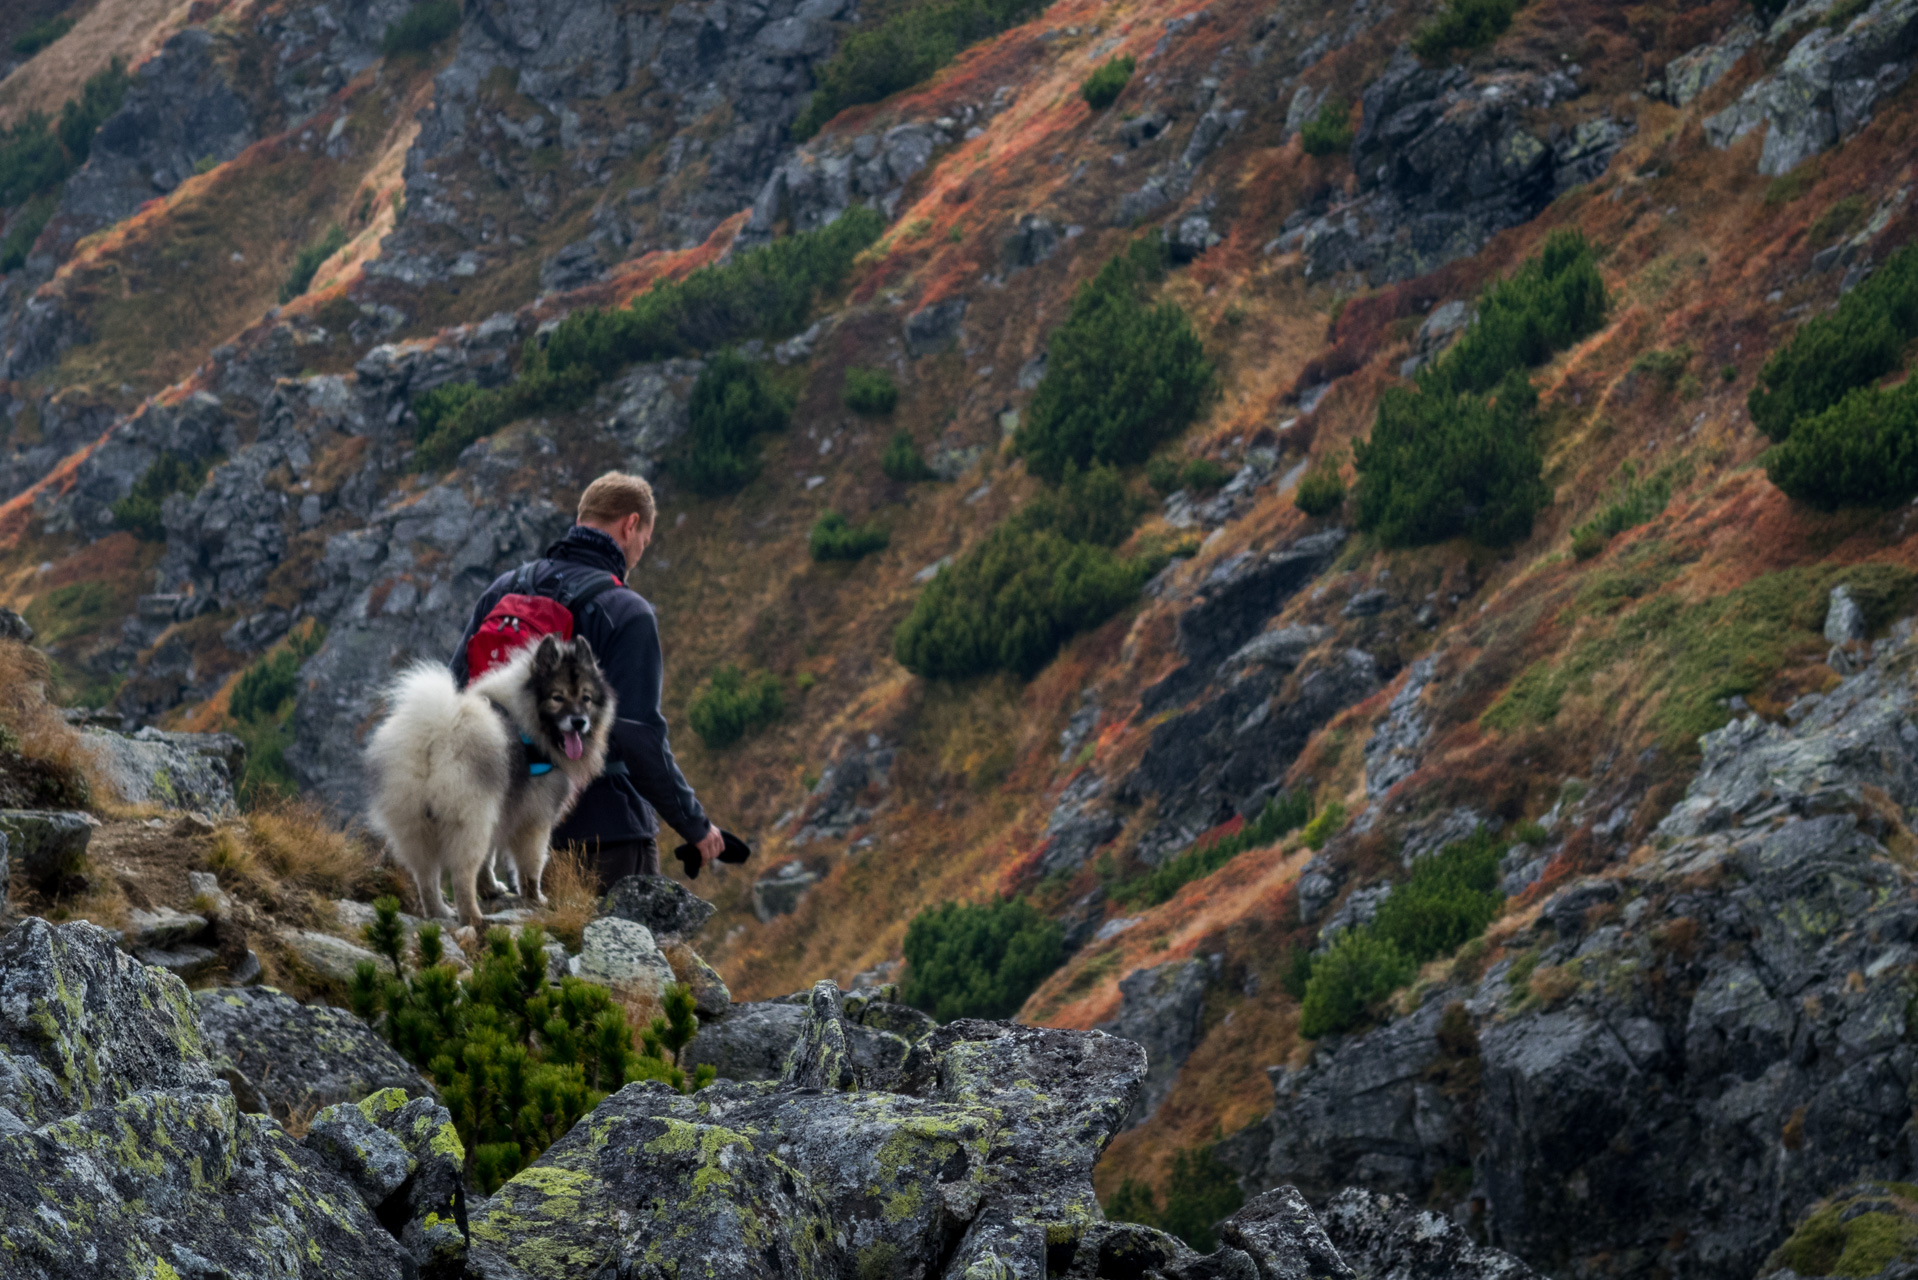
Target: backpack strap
576,591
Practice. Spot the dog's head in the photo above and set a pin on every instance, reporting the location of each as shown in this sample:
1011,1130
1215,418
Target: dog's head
572,698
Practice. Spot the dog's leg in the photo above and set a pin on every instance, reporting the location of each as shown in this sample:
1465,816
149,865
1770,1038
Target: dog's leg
529,858
489,885
430,900
465,881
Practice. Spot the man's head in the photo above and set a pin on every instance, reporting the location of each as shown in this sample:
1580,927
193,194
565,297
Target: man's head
621,507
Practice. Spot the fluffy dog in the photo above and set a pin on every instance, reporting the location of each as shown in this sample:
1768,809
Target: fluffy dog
457,775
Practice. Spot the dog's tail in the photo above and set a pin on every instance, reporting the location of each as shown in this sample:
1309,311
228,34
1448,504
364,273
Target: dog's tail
437,759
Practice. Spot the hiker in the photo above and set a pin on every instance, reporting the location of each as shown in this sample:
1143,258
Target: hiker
617,818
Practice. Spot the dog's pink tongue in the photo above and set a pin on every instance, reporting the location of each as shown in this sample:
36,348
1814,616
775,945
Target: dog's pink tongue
574,747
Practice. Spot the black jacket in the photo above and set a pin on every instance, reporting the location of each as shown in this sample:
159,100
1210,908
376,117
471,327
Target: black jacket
642,777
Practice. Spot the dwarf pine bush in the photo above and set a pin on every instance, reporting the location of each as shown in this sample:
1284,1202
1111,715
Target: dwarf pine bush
734,704
1458,452
306,263
1833,354
1102,88
1201,1191
902,460
517,1059
901,51
1280,816
1448,899
833,537
1859,452
734,400
139,512
421,27
871,392
981,961
1321,491
1329,132
1463,25
38,154
764,292
1122,375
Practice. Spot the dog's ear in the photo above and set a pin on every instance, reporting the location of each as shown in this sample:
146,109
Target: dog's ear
546,657
584,652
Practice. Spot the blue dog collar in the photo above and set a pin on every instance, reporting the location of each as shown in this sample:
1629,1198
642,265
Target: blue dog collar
538,768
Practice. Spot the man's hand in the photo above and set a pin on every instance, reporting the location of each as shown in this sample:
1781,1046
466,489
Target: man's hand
712,843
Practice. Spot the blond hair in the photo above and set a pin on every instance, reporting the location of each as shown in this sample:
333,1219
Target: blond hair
613,497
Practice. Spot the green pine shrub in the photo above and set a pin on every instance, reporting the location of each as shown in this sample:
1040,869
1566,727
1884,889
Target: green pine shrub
1463,25
1282,815
733,401
1633,502
1011,602
421,27
1102,88
1832,354
41,34
1458,453
260,714
1321,490
139,512
904,49
38,154
870,391
734,703
1201,1192
517,1059
1449,899
1860,452
1093,505
763,292
979,961
1167,475
1329,132
28,223
1358,970
307,262
902,461
1122,376
1326,824
833,538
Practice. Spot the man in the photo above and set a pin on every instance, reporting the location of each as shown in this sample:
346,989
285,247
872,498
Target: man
615,820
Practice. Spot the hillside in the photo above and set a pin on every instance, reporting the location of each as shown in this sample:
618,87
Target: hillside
1512,274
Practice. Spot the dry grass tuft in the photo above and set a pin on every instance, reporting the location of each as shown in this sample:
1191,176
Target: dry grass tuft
34,724
293,847
299,844
300,1119
104,903
572,896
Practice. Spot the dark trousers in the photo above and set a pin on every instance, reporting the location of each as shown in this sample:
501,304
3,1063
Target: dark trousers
614,860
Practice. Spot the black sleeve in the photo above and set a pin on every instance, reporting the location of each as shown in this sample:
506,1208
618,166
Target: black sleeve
636,668
481,608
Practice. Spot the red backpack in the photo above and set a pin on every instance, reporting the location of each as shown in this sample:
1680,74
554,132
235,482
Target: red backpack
523,616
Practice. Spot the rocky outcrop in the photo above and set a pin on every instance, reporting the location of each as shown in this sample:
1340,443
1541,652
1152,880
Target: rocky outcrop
281,1056
1229,752
1720,1038
666,907
982,1159
180,115
122,1152
1825,89
1262,697
1444,160
1162,1009
193,771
